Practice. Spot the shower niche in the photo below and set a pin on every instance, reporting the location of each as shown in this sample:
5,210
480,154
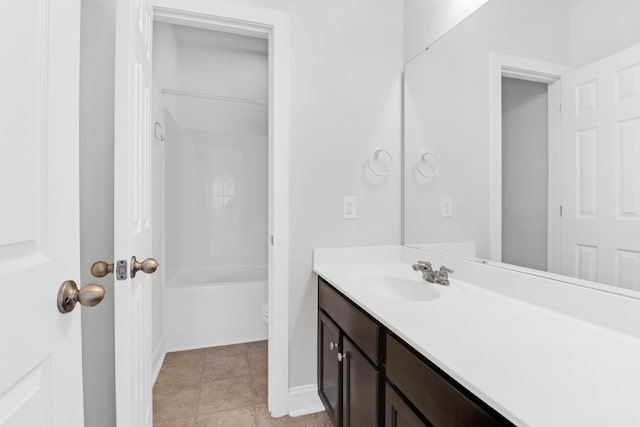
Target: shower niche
211,193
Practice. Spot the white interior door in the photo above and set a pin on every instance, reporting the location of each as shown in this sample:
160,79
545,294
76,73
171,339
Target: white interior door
40,354
132,222
601,172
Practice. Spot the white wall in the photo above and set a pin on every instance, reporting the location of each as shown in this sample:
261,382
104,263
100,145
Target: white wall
600,28
97,42
217,184
451,118
346,58
425,21
345,68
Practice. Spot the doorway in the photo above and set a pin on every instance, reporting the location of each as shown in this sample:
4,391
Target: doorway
539,77
525,172
210,106
271,28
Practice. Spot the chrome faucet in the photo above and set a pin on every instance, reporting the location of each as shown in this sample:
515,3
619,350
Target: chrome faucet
427,272
442,277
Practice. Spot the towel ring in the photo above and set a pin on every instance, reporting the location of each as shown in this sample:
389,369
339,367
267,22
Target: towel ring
157,126
376,154
422,158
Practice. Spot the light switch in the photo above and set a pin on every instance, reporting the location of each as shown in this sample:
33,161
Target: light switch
349,207
446,206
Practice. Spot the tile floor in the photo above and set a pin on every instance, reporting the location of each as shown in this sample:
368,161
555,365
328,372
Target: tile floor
219,386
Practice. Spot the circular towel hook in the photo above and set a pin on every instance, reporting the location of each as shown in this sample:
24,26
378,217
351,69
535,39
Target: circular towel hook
155,132
423,158
376,155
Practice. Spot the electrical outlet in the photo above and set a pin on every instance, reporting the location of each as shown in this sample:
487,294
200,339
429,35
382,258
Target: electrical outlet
446,206
349,207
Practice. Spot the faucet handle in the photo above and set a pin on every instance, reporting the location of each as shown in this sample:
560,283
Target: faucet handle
445,270
442,277
425,263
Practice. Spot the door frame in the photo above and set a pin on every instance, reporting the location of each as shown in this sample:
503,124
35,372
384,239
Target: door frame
535,71
272,25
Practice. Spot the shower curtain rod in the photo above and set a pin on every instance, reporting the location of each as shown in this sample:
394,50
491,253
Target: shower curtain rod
210,96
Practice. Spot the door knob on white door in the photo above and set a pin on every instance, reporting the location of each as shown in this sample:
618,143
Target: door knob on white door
101,268
69,295
148,266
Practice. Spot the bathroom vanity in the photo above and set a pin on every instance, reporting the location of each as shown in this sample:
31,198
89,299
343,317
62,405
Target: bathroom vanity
369,376
394,350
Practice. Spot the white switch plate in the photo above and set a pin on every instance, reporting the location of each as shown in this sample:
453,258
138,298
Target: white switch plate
349,207
446,206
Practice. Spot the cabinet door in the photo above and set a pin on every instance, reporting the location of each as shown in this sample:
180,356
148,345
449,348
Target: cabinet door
398,413
359,388
328,366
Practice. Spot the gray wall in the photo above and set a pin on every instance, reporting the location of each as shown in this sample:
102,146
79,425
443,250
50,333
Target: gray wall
97,40
524,173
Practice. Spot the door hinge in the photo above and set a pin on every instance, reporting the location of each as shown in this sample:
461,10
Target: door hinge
560,210
272,240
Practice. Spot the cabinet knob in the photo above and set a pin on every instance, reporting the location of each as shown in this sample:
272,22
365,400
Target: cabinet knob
333,346
342,356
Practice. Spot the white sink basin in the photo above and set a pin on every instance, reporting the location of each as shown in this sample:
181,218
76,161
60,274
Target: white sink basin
400,288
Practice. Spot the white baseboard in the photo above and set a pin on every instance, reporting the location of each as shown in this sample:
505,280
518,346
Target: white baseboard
304,400
157,359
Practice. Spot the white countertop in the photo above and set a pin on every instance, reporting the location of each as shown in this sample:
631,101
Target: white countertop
534,365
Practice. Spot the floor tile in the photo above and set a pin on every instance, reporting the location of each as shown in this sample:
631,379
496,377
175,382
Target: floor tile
260,389
225,367
175,402
182,422
257,347
188,356
180,373
220,386
213,353
243,417
258,363
225,394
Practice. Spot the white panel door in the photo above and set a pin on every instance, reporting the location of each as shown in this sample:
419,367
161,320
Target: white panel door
132,223
40,350
601,171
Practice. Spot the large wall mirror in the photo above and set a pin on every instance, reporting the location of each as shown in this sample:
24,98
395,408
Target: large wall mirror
522,140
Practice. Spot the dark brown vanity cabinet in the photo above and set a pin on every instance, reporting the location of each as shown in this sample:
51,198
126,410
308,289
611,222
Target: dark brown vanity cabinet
348,347
359,388
328,366
397,413
432,393
368,377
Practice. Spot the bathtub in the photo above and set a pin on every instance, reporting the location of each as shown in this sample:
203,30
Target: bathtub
214,306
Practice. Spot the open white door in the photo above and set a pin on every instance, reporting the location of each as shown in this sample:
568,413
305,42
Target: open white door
601,173
132,205
40,354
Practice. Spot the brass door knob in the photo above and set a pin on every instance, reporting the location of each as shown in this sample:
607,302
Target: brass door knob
101,269
148,266
69,295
